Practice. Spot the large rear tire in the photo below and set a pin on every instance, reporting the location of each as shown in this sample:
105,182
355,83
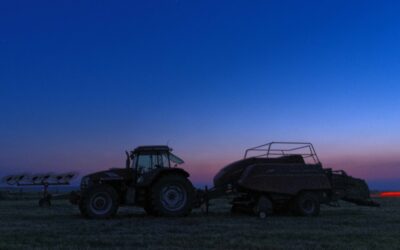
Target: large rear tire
172,196
99,202
307,204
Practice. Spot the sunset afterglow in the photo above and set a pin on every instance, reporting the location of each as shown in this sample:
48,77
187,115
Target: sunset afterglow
209,80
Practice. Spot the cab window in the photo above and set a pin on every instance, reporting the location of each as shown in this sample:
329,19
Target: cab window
164,160
146,162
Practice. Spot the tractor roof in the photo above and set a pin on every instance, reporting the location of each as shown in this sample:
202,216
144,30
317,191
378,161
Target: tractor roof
157,148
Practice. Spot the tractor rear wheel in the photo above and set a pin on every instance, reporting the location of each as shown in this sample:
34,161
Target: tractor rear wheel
172,195
99,202
306,204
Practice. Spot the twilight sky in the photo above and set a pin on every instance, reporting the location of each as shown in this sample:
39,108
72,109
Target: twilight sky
82,82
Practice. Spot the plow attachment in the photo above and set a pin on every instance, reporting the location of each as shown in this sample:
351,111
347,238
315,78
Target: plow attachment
44,180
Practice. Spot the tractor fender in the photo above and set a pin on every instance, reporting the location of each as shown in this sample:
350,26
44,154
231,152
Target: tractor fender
149,178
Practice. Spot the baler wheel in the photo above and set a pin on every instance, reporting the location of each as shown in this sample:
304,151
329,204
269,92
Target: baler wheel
306,204
263,207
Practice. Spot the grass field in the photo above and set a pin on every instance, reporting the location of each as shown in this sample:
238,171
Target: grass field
23,225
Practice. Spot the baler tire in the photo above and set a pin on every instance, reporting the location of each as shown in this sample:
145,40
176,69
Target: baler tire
263,207
172,196
306,204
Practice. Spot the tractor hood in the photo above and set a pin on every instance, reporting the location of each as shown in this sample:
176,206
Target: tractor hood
107,175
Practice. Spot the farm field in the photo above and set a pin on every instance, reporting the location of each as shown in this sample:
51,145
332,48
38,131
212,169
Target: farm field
23,225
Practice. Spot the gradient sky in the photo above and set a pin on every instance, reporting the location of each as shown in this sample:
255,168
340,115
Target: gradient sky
82,82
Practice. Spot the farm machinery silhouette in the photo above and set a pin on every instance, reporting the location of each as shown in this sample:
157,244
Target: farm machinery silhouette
43,180
274,177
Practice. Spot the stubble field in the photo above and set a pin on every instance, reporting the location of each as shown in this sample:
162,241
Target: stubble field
23,225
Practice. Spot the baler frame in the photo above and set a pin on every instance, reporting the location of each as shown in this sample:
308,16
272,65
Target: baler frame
277,149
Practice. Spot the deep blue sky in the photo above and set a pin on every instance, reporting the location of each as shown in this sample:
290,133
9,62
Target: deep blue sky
81,82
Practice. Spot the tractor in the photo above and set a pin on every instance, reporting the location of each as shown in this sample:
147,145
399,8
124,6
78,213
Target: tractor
151,179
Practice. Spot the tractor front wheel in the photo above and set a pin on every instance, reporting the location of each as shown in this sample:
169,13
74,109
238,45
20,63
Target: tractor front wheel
99,202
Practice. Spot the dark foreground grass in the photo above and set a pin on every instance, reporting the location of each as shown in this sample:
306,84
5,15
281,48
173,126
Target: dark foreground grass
24,225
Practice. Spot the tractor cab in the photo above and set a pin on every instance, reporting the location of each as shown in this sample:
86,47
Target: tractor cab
147,158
